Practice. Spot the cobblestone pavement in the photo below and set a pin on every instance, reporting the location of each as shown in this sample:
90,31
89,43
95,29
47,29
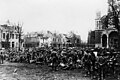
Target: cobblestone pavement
20,71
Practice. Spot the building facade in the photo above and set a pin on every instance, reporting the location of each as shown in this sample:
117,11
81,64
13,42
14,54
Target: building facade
47,39
91,39
105,35
37,39
9,37
58,40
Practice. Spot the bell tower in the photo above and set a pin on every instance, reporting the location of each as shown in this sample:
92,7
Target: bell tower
98,21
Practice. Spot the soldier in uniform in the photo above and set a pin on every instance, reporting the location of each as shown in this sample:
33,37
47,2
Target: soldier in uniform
2,58
28,57
102,63
54,60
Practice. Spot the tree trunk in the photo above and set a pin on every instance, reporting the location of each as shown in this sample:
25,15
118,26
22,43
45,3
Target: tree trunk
19,41
119,40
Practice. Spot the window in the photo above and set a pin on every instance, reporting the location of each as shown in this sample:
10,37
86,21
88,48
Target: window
16,36
12,36
12,44
7,36
3,35
98,24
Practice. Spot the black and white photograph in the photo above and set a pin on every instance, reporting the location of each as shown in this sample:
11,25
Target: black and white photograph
59,39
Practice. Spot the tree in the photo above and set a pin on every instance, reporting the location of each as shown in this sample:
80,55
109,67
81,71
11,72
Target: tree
112,18
19,31
115,18
104,21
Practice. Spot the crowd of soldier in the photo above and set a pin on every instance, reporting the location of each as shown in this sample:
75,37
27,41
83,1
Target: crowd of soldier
95,62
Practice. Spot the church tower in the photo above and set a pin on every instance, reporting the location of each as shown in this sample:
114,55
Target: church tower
98,21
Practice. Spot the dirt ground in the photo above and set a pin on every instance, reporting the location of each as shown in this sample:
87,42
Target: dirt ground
22,71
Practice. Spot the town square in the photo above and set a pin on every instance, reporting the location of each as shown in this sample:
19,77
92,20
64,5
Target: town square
60,40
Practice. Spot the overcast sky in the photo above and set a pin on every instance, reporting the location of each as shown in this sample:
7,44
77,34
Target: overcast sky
54,15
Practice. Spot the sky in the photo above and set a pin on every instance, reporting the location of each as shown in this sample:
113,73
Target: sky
61,16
